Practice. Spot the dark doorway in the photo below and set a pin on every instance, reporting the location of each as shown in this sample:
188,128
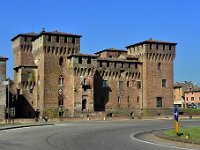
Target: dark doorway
84,104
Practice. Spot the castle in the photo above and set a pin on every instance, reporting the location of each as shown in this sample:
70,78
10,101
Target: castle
52,77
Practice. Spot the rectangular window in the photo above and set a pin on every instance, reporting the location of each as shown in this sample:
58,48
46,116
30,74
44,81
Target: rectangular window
89,60
80,60
164,83
136,66
100,64
65,39
192,98
105,83
107,63
49,38
150,46
61,81
121,84
115,64
57,39
74,40
139,84
159,102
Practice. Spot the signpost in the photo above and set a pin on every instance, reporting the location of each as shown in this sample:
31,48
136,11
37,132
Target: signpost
176,124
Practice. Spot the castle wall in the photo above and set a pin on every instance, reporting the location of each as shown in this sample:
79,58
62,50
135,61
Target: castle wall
3,91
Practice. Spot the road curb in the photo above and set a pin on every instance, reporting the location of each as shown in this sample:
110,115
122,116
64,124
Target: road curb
159,134
23,126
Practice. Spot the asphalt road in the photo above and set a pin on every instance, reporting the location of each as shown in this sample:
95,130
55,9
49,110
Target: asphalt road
88,135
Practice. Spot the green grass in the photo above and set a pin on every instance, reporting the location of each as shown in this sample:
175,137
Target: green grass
194,133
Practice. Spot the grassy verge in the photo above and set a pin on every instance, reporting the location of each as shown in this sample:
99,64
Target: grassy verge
188,133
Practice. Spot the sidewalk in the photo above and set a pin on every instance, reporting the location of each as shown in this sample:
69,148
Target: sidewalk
15,126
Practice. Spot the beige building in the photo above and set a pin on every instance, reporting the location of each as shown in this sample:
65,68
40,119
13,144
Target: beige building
192,99
180,91
52,77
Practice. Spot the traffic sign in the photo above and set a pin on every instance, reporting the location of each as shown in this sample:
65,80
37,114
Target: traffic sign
176,123
176,113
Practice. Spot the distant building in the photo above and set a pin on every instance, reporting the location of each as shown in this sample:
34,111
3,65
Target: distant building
192,99
52,77
3,91
179,92
182,94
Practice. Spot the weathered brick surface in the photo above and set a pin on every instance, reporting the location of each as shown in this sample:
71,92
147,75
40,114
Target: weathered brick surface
114,81
2,87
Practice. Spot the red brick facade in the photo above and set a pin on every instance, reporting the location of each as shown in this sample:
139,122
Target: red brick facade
53,72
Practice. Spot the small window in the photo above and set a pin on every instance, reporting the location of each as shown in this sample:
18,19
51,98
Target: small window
139,84
121,84
138,99
105,83
159,66
136,66
192,98
57,39
119,101
157,46
128,84
159,102
61,61
74,40
65,39
89,60
115,64
164,83
100,63
129,65
61,81
122,65
150,46
80,60
170,47
107,63
49,38
25,39
163,47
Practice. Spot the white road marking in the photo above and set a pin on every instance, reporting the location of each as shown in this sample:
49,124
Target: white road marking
132,136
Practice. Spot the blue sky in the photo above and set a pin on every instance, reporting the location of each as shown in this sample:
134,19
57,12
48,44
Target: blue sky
110,23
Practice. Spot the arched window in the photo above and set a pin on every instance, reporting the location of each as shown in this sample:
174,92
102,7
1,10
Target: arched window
61,81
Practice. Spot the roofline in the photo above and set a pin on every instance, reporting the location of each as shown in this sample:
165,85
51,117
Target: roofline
56,33
23,34
24,66
81,55
3,58
110,50
192,91
151,42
